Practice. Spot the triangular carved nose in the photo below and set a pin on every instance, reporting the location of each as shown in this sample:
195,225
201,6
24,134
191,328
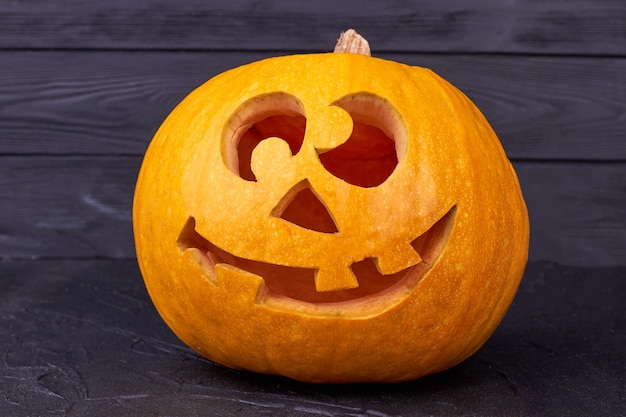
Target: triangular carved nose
302,206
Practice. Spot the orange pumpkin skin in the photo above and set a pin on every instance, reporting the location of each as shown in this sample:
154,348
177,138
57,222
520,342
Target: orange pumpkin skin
203,213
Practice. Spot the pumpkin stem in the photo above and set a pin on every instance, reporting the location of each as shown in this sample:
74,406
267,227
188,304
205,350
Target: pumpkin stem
353,43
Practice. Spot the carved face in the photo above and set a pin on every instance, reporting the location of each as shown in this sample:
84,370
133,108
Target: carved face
330,196
310,205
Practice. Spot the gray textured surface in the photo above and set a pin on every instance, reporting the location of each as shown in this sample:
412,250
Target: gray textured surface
81,338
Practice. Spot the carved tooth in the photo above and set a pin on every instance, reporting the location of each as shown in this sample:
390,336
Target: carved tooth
206,261
238,281
335,279
398,259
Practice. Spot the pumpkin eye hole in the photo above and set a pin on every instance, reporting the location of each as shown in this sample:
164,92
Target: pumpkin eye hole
371,153
270,115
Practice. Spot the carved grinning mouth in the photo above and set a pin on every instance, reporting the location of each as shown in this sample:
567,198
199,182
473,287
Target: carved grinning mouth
297,283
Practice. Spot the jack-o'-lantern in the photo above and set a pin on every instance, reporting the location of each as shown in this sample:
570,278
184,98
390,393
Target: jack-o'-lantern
331,218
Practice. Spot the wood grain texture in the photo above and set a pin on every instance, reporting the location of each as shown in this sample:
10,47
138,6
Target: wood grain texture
72,207
577,211
80,207
527,26
84,86
542,108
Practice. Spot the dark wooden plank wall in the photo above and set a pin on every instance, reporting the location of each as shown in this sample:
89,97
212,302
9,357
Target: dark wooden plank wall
84,85
589,27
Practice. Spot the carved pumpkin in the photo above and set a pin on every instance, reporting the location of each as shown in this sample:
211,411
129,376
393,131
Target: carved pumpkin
331,218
